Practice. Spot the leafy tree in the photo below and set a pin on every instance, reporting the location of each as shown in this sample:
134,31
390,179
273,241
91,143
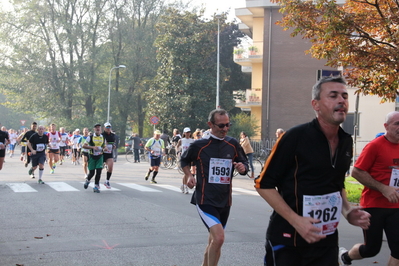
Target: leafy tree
361,36
243,122
50,66
184,90
132,34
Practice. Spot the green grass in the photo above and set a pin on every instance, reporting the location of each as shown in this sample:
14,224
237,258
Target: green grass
353,189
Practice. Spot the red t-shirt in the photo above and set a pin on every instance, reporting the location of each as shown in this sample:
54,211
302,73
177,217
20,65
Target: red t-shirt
378,158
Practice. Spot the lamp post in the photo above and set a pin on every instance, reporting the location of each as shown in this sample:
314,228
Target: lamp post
218,16
109,87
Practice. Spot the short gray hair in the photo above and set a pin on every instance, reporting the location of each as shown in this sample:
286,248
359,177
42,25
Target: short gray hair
317,87
211,117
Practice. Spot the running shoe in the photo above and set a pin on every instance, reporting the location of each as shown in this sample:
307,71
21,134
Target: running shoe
30,171
185,189
146,176
341,261
52,171
153,181
32,176
54,165
96,189
86,184
60,162
107,185
26,164
40,181
182,188
21,158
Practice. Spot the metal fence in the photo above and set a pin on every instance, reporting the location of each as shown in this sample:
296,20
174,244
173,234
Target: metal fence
262,148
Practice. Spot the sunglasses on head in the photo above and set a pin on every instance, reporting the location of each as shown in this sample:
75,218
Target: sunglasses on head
223,125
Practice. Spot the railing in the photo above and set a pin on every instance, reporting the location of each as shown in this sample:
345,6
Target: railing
262,148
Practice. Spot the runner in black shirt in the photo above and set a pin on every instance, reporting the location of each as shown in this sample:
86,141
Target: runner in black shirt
215,159
25,138
37,143
4,140
108,153
303,181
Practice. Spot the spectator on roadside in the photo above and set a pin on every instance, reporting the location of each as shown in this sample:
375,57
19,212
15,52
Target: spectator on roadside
166,140
246,145
136,146
279,132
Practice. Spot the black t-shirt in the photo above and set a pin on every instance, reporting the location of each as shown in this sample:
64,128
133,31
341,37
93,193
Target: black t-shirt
301,164
38,142
27,136
3,136
214,172
175,139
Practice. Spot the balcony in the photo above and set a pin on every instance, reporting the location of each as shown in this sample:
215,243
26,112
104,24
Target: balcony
248,98
249,55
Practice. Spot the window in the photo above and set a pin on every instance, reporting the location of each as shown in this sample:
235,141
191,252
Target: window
349,124
327,73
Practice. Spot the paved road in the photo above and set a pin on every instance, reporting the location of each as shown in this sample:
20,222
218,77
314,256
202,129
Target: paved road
135,223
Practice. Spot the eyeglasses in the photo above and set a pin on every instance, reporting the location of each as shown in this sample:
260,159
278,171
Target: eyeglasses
223,125
108,127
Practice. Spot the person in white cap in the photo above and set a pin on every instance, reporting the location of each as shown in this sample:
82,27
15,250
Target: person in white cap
156,148
184,143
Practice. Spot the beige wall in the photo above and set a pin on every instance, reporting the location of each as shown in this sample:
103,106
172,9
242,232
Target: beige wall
371,117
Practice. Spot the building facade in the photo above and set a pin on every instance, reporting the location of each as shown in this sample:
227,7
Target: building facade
283,74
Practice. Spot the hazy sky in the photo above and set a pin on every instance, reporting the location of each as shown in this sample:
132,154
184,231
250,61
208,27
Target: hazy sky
215,6
211,6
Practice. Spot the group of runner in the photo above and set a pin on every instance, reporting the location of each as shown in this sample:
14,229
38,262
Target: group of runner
39,146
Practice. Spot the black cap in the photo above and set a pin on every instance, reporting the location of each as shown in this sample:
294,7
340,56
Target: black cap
98,124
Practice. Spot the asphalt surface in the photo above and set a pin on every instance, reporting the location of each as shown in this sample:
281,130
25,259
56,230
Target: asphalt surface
134,223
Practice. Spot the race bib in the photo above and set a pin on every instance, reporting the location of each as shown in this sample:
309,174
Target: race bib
40,147
394,181
97,150
326,208
220,171
109,148
156,153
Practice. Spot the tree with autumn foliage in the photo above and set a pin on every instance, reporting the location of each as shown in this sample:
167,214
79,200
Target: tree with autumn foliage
362,37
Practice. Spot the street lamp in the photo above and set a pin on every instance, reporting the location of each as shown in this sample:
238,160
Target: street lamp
218,16
109,87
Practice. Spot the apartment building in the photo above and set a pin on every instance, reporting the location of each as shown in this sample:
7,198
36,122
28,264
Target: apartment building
283,74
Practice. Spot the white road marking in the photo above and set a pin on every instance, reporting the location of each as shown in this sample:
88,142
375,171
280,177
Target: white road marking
61,186
21,187
139,187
